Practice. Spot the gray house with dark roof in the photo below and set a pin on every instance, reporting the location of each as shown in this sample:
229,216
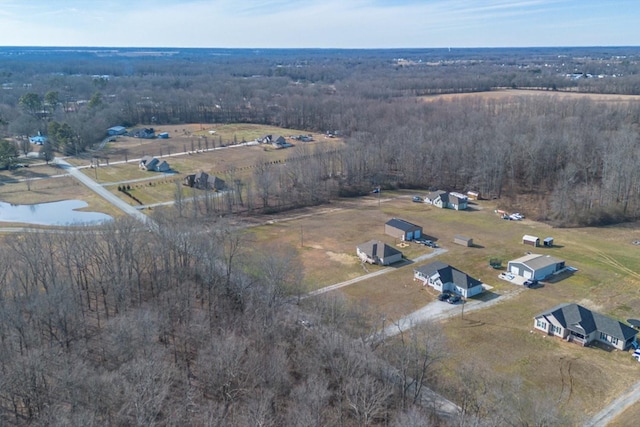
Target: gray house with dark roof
444,200
573,322
401,229
377,252
443,277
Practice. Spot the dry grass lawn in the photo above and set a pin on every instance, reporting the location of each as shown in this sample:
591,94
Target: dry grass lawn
506,94
582,380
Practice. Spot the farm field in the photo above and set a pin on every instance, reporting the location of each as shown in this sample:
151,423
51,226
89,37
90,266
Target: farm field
503,94
581,379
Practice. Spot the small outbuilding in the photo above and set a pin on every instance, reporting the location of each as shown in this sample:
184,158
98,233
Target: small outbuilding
163,135
116,130
463,240
548,242
530,240
401,229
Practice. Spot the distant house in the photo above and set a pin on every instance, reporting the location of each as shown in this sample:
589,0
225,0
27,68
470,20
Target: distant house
204,181
377,252
463,240
116,130
280,142
38,139
574,323
444,200
548,242
534,266
146,133
153,164
530,240
443,277
401,229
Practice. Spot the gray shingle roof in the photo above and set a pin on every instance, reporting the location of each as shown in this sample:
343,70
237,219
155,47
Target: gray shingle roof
579,319
449,274
401,224
376,248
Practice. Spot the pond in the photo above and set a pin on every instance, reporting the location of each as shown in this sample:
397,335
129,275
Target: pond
54,213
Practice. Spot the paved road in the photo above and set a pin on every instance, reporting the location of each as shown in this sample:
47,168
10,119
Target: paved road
615,408
104,193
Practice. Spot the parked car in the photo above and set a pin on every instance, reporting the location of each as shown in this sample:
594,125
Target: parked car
530,283
431,244
417,199
506,276
444,296
454,299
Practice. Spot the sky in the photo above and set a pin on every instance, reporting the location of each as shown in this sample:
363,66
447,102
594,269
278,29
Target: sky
319,23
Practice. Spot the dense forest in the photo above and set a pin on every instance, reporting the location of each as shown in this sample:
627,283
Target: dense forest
191,325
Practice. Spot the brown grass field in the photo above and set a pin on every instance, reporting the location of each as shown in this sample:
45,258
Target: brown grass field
506,94
582,380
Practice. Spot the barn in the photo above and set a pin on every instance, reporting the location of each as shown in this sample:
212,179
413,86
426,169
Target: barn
401,229
530,240
534,266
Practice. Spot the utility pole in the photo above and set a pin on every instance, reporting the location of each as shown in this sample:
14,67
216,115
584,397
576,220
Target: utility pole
301,238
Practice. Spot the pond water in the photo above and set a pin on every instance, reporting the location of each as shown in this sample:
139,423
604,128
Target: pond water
54,213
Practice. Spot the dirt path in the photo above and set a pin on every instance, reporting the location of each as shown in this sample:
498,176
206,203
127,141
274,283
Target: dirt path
374,274
615,408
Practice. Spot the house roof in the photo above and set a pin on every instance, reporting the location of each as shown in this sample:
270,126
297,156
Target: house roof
449,274
579,319
457,197
537,261
434,194
401,224
530,238
461,237
376,248
145,159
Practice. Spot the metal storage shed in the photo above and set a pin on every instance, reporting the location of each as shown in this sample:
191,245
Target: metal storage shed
530,240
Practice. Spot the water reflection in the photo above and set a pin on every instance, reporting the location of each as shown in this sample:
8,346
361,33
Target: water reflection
54,213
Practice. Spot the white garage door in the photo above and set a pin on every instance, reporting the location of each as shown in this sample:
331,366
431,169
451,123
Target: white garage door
527,274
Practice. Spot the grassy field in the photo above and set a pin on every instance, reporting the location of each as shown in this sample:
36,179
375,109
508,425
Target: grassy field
506,94
582,380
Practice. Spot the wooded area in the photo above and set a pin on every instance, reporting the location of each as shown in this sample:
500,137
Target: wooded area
192,325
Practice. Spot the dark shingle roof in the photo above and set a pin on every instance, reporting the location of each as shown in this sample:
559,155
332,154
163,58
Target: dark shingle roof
449,274
401,224
584,321
382,250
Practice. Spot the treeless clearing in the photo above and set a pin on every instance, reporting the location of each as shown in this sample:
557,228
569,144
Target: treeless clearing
580,379
506,94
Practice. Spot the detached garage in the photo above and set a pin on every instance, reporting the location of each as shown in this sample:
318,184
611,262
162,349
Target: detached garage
403,230
535,266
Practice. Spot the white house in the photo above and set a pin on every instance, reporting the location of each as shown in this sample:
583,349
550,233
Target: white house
443,277
573,322
535,266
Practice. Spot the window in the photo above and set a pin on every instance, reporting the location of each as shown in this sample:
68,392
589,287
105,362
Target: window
603,336
556,329
540,324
